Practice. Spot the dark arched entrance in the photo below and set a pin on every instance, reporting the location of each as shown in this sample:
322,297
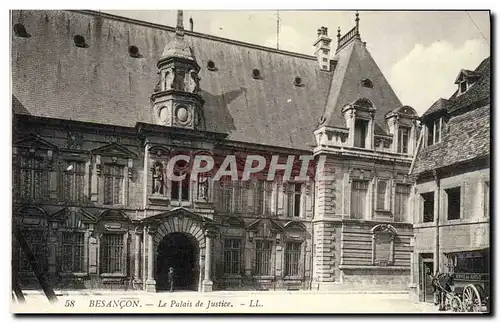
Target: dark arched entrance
180,251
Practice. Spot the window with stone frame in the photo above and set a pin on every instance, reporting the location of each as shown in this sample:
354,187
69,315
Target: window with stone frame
74,181
359,189
360,133
33,177
383,195
263,257
292,258
73,253
454,203
232,256
113,184
403,139
263,197
111,253
37,241
383,236
294,199
486,198
428,206
401,197
180,189
225,195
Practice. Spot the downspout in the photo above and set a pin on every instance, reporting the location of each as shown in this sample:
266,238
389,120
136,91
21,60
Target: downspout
437,207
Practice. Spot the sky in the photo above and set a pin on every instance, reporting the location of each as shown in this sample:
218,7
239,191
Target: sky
419,52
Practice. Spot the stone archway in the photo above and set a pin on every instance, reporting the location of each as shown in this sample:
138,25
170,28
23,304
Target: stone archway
179,226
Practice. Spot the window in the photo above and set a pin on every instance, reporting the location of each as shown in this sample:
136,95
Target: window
111,253
434,132
294,195
383,203
486,199
36,240
180,189
263,197
225,199
263,257
292,258
74,181
401,202
232,256
403,139
33,179
453,203
463,85
113,184
428,206
358,198
72,252
360,132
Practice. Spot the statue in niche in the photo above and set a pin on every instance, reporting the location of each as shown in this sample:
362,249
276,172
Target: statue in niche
158,178
158,84
170,79
192,82
203,188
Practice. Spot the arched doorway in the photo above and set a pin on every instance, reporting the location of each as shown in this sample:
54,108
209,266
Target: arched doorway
180,251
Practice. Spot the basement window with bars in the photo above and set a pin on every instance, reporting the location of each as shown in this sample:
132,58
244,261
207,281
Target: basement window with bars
111,252
72,257
292,258
113,184
232,256
263,257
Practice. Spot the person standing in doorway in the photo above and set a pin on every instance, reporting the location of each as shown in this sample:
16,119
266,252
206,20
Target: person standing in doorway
171,278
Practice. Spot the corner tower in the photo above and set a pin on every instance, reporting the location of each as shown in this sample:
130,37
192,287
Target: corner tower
176,99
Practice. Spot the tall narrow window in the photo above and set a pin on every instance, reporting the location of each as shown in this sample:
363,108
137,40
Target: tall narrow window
437,131
180,189
72,252
232,256
225,195
434,131
113,184
382,196
34,178
486,199
430,134
292,258
428,206
358,198
294,196
360,133
111,253
403,139
268,196
401,202
259,194
453,195
74,181
36,240
263,257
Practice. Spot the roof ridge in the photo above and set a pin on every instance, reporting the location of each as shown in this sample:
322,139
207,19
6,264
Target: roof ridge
193,33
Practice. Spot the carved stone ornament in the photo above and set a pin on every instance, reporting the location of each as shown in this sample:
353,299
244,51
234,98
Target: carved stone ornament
158,178
170,79
203,188
191,82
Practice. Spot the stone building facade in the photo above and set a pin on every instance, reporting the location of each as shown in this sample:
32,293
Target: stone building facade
452,192
101,104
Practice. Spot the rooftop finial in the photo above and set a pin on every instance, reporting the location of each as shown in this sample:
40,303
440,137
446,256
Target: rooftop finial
179,29
338,34
357,21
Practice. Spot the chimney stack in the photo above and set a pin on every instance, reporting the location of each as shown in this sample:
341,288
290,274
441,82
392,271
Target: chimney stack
191,24
322,49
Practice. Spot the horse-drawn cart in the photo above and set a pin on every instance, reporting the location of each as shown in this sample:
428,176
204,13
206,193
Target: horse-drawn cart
466,288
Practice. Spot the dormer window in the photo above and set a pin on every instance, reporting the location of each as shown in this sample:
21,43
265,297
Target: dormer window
465,80
403,139
434,131
360,133
463,86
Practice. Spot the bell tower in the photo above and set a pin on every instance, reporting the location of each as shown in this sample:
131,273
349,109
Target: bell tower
176,99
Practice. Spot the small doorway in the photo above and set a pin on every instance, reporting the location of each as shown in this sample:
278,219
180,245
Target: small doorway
426,288
181,252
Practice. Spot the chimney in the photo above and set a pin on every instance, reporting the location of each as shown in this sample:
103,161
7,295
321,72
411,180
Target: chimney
322,49
191,24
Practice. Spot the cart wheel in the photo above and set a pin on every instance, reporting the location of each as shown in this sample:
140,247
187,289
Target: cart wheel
456,304
471,299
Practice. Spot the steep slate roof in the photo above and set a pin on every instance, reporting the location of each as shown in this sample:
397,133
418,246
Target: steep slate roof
440,105
354,64
467,133
52,77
